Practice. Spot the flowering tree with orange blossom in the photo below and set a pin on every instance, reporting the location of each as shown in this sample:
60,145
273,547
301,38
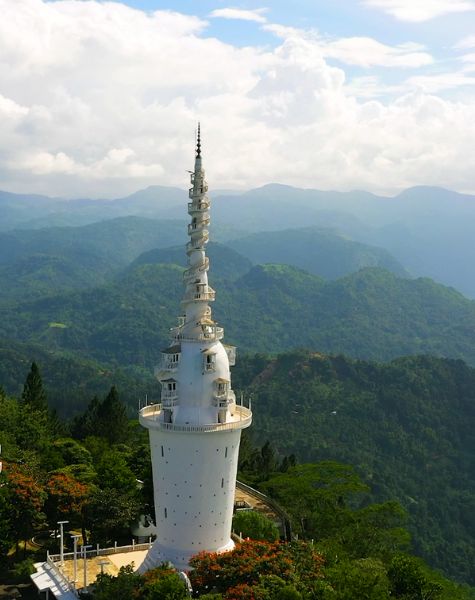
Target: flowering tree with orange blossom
242,573
26,498
66,498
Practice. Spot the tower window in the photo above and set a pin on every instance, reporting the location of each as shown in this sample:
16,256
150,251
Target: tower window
209,361
165,512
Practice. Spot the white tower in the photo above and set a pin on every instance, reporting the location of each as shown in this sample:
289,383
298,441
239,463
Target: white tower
195,431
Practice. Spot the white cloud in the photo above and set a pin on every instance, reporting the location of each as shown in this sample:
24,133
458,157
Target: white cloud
101,99
367,52
433,84
359,51
421,10
240,14
468,42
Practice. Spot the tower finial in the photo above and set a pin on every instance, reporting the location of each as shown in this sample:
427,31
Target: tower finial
198,143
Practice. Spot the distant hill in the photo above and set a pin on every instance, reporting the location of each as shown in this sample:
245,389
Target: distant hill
44,262
407,426
116,242
322,252
33,211
72,382
370,314
226,262
426,229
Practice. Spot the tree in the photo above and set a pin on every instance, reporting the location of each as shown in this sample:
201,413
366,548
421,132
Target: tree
34,395
109,514
357,579
256,526
112,417
408,580
297,563
87,424
114,473
66,499
7,537
125,586
167,586
318,496
26,497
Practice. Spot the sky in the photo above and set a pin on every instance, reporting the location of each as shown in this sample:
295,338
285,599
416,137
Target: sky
100,99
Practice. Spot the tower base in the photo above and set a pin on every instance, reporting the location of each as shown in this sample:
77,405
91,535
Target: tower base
159,554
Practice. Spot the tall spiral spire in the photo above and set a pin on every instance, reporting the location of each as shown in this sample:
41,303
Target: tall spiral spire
198,143
195,430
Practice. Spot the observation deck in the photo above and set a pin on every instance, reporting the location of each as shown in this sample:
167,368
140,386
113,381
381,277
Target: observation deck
150,417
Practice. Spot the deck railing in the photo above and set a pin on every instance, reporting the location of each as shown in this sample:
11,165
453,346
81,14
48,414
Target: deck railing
150,416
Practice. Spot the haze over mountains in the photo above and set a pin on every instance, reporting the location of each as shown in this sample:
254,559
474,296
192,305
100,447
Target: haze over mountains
429,231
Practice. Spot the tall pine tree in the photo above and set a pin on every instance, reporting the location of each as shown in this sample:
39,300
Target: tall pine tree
34,394
112,415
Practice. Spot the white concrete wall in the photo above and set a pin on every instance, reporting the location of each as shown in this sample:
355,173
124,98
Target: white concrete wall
194,478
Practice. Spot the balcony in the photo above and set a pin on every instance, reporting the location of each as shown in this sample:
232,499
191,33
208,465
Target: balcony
151,417
163,370
200,190
198,226
220,402
199,243
165,366
169,402
195,269
223,399
199,207
210,333
200,296
169,398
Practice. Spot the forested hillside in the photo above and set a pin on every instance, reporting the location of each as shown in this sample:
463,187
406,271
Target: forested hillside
322,252
407,426
43,261
369,314
72,382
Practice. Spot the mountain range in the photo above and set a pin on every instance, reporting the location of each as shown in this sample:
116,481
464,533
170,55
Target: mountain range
426,229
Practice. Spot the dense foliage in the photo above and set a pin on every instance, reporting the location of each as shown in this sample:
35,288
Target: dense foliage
322,252
355,548
407,426
48,476
371,314
73,381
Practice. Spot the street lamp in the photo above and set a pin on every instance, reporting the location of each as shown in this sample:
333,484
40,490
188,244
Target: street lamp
75,563
84,550
61,547
102,563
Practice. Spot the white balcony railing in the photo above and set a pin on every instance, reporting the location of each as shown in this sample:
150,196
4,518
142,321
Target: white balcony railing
201,190
169,402
169,396
198,226
212,333
199,296
195,269
150,416
165,366
202,206
199,243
